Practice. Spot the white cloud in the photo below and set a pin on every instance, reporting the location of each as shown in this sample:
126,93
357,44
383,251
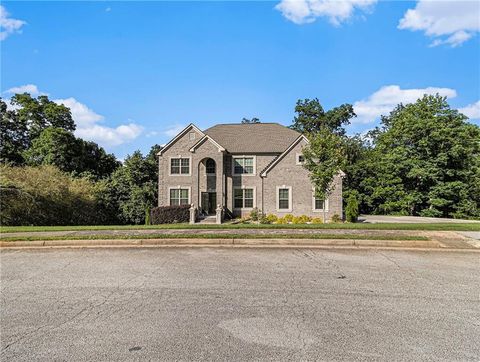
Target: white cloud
9,25
472,111
174,130
108,9
83,116
27,88
448,22
307,11
87,128
386,98
107,136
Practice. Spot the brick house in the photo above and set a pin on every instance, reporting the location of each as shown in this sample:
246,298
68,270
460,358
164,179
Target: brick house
240,167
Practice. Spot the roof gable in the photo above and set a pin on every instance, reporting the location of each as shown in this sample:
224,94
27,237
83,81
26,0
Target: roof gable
178,136
204,139
282,155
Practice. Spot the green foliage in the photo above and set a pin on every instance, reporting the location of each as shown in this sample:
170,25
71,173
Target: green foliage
317,220
133,187
336,218
46,196
249,121
324,159
426,161
302,219
148,216
352,211
311,117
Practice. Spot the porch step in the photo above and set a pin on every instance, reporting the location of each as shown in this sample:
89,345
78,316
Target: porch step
211,219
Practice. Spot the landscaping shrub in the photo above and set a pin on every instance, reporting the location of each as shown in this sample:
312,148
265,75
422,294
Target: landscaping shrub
255,214
351,211
317,220
288,218
336,218
282,220
271,218
303,219
170,214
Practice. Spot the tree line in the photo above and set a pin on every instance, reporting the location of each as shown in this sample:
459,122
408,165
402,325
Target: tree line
424,159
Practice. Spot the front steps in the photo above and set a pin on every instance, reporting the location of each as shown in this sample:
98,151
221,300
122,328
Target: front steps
210,219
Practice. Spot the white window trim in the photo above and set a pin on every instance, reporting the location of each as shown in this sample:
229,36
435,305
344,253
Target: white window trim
290,199
326,204
297,161
179,174
244,174
189,188
254,197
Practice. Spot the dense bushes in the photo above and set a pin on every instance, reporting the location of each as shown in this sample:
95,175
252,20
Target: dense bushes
170,214
46,196
351,211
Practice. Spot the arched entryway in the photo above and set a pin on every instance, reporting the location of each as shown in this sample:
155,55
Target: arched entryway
207,185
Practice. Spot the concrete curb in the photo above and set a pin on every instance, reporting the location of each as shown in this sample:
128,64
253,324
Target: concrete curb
427,244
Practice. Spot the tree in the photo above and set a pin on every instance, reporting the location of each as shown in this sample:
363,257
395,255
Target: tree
324,159
427,162
311,117
25,122
133,187
14,136
58,147
40,113
249,121
351,211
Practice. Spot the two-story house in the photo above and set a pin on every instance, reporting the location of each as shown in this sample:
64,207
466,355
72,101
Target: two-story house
240,167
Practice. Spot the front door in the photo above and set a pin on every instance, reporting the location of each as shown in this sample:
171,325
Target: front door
209,202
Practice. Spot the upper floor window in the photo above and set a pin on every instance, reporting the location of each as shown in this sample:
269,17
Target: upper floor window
210,166
179,166
243,165
300,159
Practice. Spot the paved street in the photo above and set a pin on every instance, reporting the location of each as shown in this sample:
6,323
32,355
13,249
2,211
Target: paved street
239,304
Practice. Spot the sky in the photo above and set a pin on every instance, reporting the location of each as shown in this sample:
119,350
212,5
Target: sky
135,73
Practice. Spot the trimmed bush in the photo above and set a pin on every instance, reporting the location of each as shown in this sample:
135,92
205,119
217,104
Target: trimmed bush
271,218
336,218
351,211
170,214
288,218
317,220
302,219
255,214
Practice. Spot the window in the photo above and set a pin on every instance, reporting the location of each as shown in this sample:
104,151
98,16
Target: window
242,198
284,198
243,165
192,135
300,159
179,197
180,166
210,166
319,204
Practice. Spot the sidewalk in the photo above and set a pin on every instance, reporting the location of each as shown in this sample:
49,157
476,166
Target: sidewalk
243,242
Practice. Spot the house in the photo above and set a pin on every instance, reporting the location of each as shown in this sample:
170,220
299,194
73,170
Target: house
239,167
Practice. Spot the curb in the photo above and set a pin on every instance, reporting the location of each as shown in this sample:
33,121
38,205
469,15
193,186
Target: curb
430,244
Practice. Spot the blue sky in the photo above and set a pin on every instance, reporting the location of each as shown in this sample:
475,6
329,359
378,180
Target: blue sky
134,73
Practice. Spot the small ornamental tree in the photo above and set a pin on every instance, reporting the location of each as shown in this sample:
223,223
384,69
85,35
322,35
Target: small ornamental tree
351,211
324,159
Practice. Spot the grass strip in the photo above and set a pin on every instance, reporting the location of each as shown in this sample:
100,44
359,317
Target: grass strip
218,236
346,226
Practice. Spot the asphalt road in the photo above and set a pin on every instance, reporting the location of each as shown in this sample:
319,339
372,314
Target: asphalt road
239,304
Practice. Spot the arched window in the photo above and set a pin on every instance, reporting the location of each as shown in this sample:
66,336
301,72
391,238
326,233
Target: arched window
210,165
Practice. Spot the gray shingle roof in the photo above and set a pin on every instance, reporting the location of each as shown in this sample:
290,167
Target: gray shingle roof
253,137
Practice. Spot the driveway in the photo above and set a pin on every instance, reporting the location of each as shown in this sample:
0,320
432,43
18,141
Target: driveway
375,219
239,305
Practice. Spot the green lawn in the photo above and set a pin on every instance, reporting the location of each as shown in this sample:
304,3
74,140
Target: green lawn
361,226
219,236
